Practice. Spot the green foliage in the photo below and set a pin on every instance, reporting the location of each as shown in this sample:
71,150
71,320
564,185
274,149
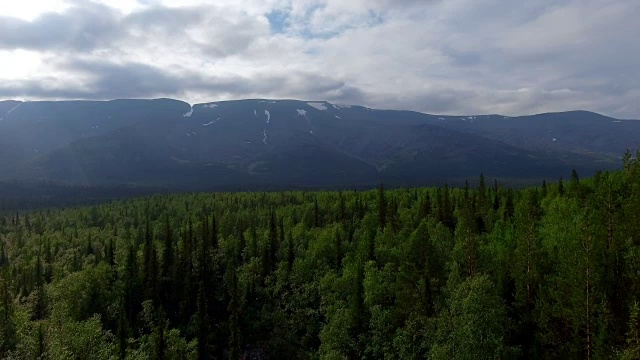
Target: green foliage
487,272
474,324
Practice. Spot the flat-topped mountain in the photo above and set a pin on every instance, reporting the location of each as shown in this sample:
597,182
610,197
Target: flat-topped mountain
288,143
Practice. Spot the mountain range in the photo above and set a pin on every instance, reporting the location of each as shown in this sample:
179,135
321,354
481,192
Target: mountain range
278,144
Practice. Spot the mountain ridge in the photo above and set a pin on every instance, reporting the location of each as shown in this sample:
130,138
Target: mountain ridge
308,101
168,142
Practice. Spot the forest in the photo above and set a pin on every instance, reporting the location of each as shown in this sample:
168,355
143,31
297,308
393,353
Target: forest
477,272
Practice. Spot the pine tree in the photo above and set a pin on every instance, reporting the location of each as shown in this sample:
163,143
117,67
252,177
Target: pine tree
110,252
234,309
160,345
214,234
343,214
632,346
202,322
167,297
482,192
4,260
270,250
526,262
42,350
467,242
150,265
132,289
291,252
574,183
425,208
122,334
382,207
338,250
358,313
316,214
509,208
8,333
40,308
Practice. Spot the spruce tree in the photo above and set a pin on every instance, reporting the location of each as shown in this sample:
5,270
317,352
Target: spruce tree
382,207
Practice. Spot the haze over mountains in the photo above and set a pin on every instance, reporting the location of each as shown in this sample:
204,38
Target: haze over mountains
294,144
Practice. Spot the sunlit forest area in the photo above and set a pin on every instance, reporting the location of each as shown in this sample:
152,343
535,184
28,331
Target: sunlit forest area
481,272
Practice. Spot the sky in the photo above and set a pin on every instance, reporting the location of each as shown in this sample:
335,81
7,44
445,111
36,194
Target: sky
435,56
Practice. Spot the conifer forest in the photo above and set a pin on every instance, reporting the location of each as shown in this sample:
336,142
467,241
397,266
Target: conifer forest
476,272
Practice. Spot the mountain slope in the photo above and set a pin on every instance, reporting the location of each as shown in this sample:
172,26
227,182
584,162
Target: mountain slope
289,143
579,132
30,129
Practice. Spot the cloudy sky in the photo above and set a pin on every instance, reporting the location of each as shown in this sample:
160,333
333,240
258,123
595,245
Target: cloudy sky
437,56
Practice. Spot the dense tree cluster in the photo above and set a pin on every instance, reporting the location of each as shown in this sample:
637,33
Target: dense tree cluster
441,273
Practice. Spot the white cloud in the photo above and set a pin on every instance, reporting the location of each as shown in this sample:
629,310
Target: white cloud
454,56
31,9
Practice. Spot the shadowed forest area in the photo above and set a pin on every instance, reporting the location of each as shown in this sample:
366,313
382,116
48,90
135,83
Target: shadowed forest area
467,273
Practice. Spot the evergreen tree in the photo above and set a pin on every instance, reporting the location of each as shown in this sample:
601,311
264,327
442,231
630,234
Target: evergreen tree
40,307
632,347
291,252
150,265
382,207
358,314
482,192
8,331
202,324
234,317
132,288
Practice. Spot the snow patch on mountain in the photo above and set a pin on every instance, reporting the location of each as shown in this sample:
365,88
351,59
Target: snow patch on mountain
189,113
255,113
212,122
12,109
338,117
318,105
266,112
210,106
301,112
264,132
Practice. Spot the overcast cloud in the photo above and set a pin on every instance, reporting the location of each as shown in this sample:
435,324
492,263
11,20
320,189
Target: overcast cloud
436,56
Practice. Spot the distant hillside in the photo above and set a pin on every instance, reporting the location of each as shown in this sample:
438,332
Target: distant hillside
293,144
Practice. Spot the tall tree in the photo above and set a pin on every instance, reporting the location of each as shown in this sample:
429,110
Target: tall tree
382,207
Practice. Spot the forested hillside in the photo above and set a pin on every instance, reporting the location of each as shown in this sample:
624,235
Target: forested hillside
290,144
466,273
